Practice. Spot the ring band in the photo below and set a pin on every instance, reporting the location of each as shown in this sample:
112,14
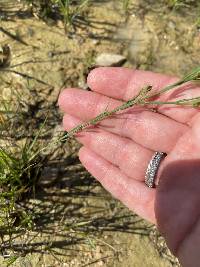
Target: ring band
152,169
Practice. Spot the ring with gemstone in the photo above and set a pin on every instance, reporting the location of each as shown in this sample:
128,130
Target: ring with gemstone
152,168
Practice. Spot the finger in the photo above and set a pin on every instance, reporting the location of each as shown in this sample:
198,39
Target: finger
123,83
131,158
149,129
134,194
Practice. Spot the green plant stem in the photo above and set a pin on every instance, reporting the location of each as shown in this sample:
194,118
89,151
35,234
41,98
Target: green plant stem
140,99
194,102
106,114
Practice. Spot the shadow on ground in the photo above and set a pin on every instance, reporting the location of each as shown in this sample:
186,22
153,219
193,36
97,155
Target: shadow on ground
70,208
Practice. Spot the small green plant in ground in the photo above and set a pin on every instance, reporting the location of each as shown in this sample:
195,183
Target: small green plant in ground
126,4
70,11
181,3
19,173
176,3
20,168
67,10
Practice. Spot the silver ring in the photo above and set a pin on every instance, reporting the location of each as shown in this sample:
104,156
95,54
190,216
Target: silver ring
152,169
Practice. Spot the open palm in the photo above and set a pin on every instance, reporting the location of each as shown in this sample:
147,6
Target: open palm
118,151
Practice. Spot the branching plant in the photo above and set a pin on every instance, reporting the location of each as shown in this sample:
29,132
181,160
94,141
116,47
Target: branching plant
144,98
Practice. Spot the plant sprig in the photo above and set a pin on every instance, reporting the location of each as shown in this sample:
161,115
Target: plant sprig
106,114
144,98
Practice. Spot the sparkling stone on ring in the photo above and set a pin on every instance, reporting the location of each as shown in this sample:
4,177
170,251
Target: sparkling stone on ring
152,169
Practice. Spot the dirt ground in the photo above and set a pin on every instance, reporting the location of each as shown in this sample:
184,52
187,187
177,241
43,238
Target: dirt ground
77,223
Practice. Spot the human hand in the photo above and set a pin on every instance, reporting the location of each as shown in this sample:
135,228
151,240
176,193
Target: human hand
118,151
